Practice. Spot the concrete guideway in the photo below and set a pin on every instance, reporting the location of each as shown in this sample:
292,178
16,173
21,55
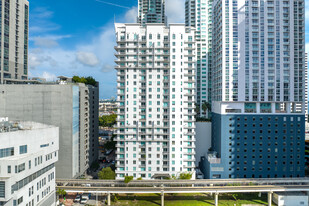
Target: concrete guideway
203,182
215,190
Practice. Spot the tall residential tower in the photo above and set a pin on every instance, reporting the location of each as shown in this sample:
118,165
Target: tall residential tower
151,11
156,94
199,15
258,83
14,29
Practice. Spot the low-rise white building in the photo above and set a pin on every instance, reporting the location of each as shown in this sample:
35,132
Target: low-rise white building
290,198
28,153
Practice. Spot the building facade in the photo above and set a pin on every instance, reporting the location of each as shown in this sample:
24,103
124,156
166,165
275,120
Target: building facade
71,107
258,90
156,95
14,29
107,107
306,87
151,11
199,15
28,154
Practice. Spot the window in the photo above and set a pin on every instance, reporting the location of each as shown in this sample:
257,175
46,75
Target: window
7,152
23,149
2,189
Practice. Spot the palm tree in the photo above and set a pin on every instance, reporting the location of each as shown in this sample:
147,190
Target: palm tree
206,107
61,193
197,109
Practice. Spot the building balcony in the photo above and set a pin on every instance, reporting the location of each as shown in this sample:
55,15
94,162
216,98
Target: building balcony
120,152
190,133
189,160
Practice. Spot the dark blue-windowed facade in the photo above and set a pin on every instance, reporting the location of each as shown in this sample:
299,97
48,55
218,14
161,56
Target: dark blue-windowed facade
256,146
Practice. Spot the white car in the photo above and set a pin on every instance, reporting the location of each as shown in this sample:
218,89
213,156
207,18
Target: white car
77,198
84,201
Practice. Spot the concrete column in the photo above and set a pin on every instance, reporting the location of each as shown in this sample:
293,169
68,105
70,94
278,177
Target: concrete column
162,198
96,199
270,198
108,199
216,199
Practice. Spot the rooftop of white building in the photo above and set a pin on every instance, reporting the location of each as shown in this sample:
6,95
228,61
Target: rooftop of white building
13,126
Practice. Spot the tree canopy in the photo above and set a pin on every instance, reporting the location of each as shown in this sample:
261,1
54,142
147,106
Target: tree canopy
107,174
128,179
108,120
185,176
85,80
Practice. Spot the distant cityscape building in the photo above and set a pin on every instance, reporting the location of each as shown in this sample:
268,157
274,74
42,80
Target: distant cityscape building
108,107
156,95
151,11
258,90
73,107
14,29
28,153
199,15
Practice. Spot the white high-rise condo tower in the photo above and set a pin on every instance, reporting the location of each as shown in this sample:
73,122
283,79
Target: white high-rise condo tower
258,89
156,94
14,29
151,11
199,15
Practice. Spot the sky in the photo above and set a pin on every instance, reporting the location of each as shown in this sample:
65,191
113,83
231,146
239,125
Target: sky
77,37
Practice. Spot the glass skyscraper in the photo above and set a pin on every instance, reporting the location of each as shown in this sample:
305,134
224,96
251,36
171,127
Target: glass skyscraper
151,11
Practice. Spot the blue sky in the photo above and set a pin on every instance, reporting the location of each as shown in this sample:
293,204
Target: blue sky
76,37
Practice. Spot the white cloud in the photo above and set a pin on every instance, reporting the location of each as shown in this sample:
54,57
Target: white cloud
307,11
107,68
40,21
49,76
175,11
87,58
131,15
48,41
45,42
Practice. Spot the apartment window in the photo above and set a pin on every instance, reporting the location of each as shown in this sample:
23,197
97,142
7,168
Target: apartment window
23,149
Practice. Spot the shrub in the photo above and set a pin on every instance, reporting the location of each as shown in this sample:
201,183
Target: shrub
128,179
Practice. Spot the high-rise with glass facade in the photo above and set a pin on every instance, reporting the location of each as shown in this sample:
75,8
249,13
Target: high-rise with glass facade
14,26
151,11
258,89
156,95
199,15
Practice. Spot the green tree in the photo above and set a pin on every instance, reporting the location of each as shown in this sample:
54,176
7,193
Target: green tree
61,192
110,144
197,109
107,174
206,107
128,179
108,120
185,176
85,80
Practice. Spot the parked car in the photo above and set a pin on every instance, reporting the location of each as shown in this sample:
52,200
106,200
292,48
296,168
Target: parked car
84,201
77,198
85,198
